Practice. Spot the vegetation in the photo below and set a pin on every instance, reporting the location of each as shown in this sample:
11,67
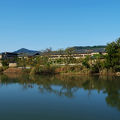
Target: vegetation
113,57
90,47
95,64
46,69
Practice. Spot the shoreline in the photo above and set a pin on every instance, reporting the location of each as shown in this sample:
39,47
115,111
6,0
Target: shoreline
81,73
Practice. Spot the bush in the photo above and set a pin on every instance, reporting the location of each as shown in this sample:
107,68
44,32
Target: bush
117,68
67,69
1,69
94,69
5,63
85,62
43,70
26,70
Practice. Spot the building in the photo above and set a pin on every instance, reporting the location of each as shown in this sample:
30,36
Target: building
26,55
0,56
75,55
12,65
8,56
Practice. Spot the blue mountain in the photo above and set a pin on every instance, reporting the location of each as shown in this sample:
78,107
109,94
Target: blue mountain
26,51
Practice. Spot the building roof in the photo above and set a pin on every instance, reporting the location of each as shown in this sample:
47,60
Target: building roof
10,53
27,55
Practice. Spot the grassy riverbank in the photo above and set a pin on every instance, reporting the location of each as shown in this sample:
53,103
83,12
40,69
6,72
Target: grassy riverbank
70,70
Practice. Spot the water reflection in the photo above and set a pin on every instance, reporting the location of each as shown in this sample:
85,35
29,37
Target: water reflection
68,85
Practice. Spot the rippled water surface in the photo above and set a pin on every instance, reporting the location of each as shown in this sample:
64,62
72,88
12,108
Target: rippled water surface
24,97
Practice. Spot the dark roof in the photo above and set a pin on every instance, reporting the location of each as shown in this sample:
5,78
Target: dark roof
27,55
9,53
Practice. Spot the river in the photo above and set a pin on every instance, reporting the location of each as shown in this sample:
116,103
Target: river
24,97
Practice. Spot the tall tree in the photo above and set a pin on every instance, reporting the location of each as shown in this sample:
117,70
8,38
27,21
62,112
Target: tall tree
113,57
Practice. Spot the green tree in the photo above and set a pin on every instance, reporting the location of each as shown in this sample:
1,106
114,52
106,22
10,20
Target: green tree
69,55
113,57
85,62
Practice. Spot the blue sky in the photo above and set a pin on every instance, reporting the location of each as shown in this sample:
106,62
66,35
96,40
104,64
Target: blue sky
39,24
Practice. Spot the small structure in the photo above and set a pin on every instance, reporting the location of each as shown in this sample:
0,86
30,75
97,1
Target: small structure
26,55
0,56
12,65
75,55
8,58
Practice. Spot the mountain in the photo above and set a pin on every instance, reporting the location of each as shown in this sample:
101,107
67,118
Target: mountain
77,49
26,51
90,47
86,49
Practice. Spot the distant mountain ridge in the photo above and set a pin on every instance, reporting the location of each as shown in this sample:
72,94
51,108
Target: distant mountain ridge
90,47
86,49
77,49
26,51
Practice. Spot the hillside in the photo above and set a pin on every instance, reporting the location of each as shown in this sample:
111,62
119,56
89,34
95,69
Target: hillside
77,49
26,51
84,49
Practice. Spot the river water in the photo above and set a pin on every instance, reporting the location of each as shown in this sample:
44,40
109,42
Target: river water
24,97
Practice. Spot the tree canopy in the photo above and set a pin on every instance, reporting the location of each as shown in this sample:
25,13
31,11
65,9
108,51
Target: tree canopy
113,57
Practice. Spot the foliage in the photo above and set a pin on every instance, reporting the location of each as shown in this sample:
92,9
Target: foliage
85,62
69,51
113,57
5,62
47,69
1,69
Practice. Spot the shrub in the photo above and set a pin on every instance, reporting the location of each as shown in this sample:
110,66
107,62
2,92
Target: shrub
43,70
1,69
94,69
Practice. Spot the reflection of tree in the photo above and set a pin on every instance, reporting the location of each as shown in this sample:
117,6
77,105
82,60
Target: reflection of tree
62,91
68,85
113,91
114,99
109,86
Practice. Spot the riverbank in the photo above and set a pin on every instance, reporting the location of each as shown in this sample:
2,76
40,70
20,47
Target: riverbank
66,70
